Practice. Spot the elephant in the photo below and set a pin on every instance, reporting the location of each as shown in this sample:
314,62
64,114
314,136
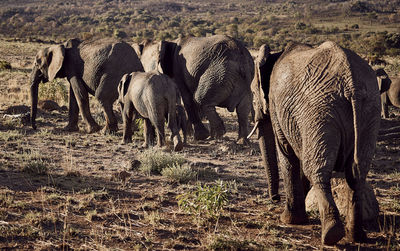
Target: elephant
152,96
209,72
323,106
92,66
390,91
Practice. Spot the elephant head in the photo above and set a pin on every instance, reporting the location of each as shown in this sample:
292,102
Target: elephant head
264,64
46,67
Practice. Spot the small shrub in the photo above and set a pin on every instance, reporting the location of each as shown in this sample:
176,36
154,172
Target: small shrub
153,161
55,90
204,200
179,173
36,167
10,135
6,199
4,65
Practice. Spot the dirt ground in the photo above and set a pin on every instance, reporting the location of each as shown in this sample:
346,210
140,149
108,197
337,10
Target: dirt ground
80,200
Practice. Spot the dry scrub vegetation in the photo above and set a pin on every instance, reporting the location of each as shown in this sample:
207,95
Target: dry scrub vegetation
62,191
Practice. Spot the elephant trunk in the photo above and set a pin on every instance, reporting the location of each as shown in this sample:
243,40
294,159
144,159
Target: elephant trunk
268,150
36,78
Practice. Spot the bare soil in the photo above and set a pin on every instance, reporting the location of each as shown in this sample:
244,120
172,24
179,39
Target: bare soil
82,202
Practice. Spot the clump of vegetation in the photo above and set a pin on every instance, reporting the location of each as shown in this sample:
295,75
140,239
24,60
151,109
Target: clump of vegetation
55,90
153,161
6,199
36,167
10,135
4,65
179,173
205,200
221,242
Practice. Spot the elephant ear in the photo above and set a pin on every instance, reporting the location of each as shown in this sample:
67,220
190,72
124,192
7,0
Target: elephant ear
166,57
259,85
124,84
384,81
264,64
263,54
55,58
138,48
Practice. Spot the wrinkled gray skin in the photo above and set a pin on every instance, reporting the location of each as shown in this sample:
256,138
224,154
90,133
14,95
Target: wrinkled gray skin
209,72
390,91
93,66
324,105
152,96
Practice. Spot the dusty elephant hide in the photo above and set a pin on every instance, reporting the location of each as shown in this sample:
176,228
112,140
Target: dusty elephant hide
341,194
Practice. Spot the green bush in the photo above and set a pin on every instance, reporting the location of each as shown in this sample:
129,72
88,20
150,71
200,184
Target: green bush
205,200
55,90
179,173
153,161
36,167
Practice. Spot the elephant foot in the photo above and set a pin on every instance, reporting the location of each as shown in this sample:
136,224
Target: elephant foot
332,232
294,218
71,128
93,128
358,236
243,142
126,141
200,132
275,198
109,129
177,144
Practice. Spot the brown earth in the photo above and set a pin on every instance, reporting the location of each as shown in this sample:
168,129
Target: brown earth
90,197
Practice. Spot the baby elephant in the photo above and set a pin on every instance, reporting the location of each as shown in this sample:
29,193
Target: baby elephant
152,96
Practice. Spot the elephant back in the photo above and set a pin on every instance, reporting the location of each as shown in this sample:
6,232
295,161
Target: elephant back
106,61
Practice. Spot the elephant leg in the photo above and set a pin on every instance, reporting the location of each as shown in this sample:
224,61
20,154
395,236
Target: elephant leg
158,124
128,115
355,177
111,121
200,131
332,227
295,209
82,98
217,128
384,105
319,167
173,126
243,111
106,98
73,112
149,133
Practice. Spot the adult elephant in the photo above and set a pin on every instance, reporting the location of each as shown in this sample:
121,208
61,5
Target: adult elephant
93,66
390,91
324,106
209,72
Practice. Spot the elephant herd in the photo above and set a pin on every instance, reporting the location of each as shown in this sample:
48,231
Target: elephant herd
317,109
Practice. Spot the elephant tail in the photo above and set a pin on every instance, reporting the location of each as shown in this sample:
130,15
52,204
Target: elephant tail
354,174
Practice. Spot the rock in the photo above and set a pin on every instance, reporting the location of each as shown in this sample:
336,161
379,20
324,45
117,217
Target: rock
134,164
121,176
48,105
17,109
342,194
